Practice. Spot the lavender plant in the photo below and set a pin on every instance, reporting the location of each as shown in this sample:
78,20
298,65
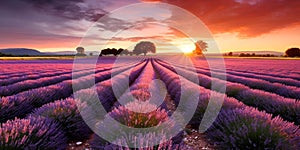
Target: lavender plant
65,113
131,115
249,129
32,133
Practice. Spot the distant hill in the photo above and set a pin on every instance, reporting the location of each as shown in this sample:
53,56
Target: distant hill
21,51
72,53
61,53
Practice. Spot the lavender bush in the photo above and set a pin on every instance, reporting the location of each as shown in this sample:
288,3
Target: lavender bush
205,97
279,132
287,108
65,113
32,133
128,115
249,129
278,88
43,81
131,115
22,103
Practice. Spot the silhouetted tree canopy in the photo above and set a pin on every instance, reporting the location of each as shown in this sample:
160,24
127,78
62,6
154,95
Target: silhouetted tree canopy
114,51
120,51
201,47
230,54
293,52
144,47
80,51
109,51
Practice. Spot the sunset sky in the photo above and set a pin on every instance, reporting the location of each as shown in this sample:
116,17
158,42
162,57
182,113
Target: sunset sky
236,25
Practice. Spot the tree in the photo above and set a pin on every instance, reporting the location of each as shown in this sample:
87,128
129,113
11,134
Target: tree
293,52
80,51
109,51
242,55
230,54
120,51
144,47
201,47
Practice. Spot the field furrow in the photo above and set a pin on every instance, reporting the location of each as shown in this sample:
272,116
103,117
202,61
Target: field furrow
12,80
44,81
278,88
69,107
245,106
11,71
21,104
273,79
288,109
266,74
232,112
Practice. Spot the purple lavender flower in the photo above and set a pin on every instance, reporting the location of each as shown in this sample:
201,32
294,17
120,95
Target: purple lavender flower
250,129
65,112
132,116
32,133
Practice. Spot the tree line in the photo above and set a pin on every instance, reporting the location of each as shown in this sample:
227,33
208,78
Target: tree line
291,52
142,47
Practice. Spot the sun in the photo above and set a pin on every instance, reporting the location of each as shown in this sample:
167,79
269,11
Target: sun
187,48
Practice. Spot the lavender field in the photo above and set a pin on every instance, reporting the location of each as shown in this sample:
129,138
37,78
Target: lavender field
41,109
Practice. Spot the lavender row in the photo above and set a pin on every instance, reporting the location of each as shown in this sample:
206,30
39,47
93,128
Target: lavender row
66,113
288,109
294,81
87,101
29,71
144,89
9,69
31,84
20,104
280,89
107,91
276,68
273,79
237,126
24,74
33,69
268,74
12,80
140,87
128,114
66,118
178,87
278,78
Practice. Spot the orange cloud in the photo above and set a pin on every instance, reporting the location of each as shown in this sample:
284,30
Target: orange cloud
150,0
247,18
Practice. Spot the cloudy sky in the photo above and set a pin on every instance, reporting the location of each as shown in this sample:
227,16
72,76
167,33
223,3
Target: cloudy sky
231,25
